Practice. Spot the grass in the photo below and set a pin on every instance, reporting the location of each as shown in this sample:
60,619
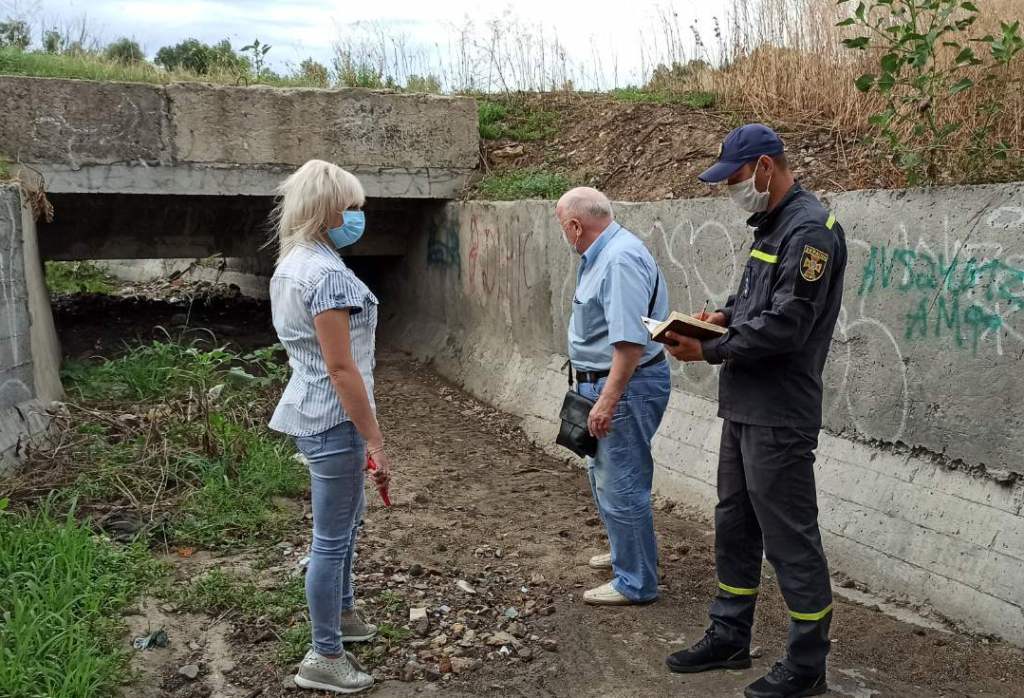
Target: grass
62,590
693,99
65,278
523,184
88,66
178,431
515,120
294,643
219,592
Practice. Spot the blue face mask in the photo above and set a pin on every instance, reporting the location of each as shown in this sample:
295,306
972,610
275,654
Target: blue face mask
353,223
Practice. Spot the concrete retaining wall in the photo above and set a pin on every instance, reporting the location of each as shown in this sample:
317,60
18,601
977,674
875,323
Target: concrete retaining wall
190,138
29,352
919,471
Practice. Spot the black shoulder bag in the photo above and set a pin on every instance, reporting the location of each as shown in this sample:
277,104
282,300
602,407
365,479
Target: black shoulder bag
574,433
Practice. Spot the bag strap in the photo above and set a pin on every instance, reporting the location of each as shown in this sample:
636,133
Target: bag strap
654,297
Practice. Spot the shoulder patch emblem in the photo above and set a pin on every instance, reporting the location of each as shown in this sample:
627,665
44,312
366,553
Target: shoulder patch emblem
812,264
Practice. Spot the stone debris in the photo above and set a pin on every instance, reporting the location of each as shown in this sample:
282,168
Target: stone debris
190,671
417,614
465,586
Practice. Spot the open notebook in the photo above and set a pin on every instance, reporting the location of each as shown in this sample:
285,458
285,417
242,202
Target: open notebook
685,325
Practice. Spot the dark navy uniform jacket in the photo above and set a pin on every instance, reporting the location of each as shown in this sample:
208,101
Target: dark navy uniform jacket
781,319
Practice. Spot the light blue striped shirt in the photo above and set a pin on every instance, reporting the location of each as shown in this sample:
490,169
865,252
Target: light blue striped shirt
308,281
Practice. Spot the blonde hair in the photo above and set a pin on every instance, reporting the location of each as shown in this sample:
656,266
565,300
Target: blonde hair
307,199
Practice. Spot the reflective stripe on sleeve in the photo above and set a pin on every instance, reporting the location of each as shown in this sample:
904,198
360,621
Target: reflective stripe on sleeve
764,256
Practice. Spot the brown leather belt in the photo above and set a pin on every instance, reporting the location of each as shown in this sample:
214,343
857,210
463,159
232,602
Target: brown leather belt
595,376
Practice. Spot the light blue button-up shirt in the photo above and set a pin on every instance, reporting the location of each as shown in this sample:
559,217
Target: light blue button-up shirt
308,281
614,285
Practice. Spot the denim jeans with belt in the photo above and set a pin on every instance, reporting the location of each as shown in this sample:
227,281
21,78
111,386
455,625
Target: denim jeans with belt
621,475
337,458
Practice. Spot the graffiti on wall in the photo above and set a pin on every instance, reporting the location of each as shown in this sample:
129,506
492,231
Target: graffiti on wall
967,294
15,346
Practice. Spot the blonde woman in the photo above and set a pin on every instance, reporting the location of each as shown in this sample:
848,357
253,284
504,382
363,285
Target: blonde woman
326,318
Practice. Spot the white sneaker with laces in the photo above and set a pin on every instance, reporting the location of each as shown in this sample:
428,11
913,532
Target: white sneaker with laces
338,675
601,562
605,595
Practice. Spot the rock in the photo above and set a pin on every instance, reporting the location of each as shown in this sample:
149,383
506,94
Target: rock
465,586
537,578
420,498
288,683
511,613
499,639
422,627
417,614
194,646
756,652
458,630
549,645
416,570
431,674
189,671
445,665
228,667
461,665
470,636
525,653
592,521
409,672
517,630
439,641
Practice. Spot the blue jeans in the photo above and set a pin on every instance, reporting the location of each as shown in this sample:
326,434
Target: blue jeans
621,475
337,458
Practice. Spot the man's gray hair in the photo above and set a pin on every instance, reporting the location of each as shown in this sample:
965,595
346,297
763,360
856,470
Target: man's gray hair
586,202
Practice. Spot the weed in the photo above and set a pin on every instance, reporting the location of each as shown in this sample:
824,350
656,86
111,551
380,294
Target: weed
62,590
218,592
515,120
693,99
294,643
523,184
393,633
390,602
235,501
65,278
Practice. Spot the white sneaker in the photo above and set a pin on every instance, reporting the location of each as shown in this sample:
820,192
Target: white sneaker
338,675
605,595
601,562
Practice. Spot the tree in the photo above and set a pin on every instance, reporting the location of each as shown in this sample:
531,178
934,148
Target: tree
314,73
418,83
14,33
53,42
196,57
126,51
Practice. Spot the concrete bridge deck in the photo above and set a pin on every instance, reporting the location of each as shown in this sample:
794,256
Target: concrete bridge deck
195,139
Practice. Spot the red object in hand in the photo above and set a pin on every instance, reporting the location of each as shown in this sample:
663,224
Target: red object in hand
371,465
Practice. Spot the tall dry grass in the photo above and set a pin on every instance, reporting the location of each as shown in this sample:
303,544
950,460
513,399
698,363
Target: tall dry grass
784,62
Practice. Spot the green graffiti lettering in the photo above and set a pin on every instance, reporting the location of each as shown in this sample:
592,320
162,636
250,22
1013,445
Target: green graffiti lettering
950,316
917,321
981,322
927,278
867,274
906,258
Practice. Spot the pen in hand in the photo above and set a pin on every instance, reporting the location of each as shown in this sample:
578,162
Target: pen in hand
704,313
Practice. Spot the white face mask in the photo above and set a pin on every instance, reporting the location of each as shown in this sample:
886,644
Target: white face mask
745,195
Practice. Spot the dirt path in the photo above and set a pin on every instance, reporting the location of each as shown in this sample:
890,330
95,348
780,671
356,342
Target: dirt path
474,501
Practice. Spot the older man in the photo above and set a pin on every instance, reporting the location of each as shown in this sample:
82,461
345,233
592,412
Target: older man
618,282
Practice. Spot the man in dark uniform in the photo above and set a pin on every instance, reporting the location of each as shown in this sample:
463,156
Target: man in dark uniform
780,324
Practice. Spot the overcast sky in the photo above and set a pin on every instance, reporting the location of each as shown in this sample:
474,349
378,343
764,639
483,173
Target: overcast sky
301,28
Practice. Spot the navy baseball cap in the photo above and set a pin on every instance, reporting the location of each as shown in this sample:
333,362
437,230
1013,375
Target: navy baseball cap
742,145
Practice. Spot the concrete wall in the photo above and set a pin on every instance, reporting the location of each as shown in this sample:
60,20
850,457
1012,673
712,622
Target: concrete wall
919,471
29,351
191,138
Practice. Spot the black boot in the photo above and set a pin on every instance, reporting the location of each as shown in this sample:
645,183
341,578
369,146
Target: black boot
783,682
709,653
